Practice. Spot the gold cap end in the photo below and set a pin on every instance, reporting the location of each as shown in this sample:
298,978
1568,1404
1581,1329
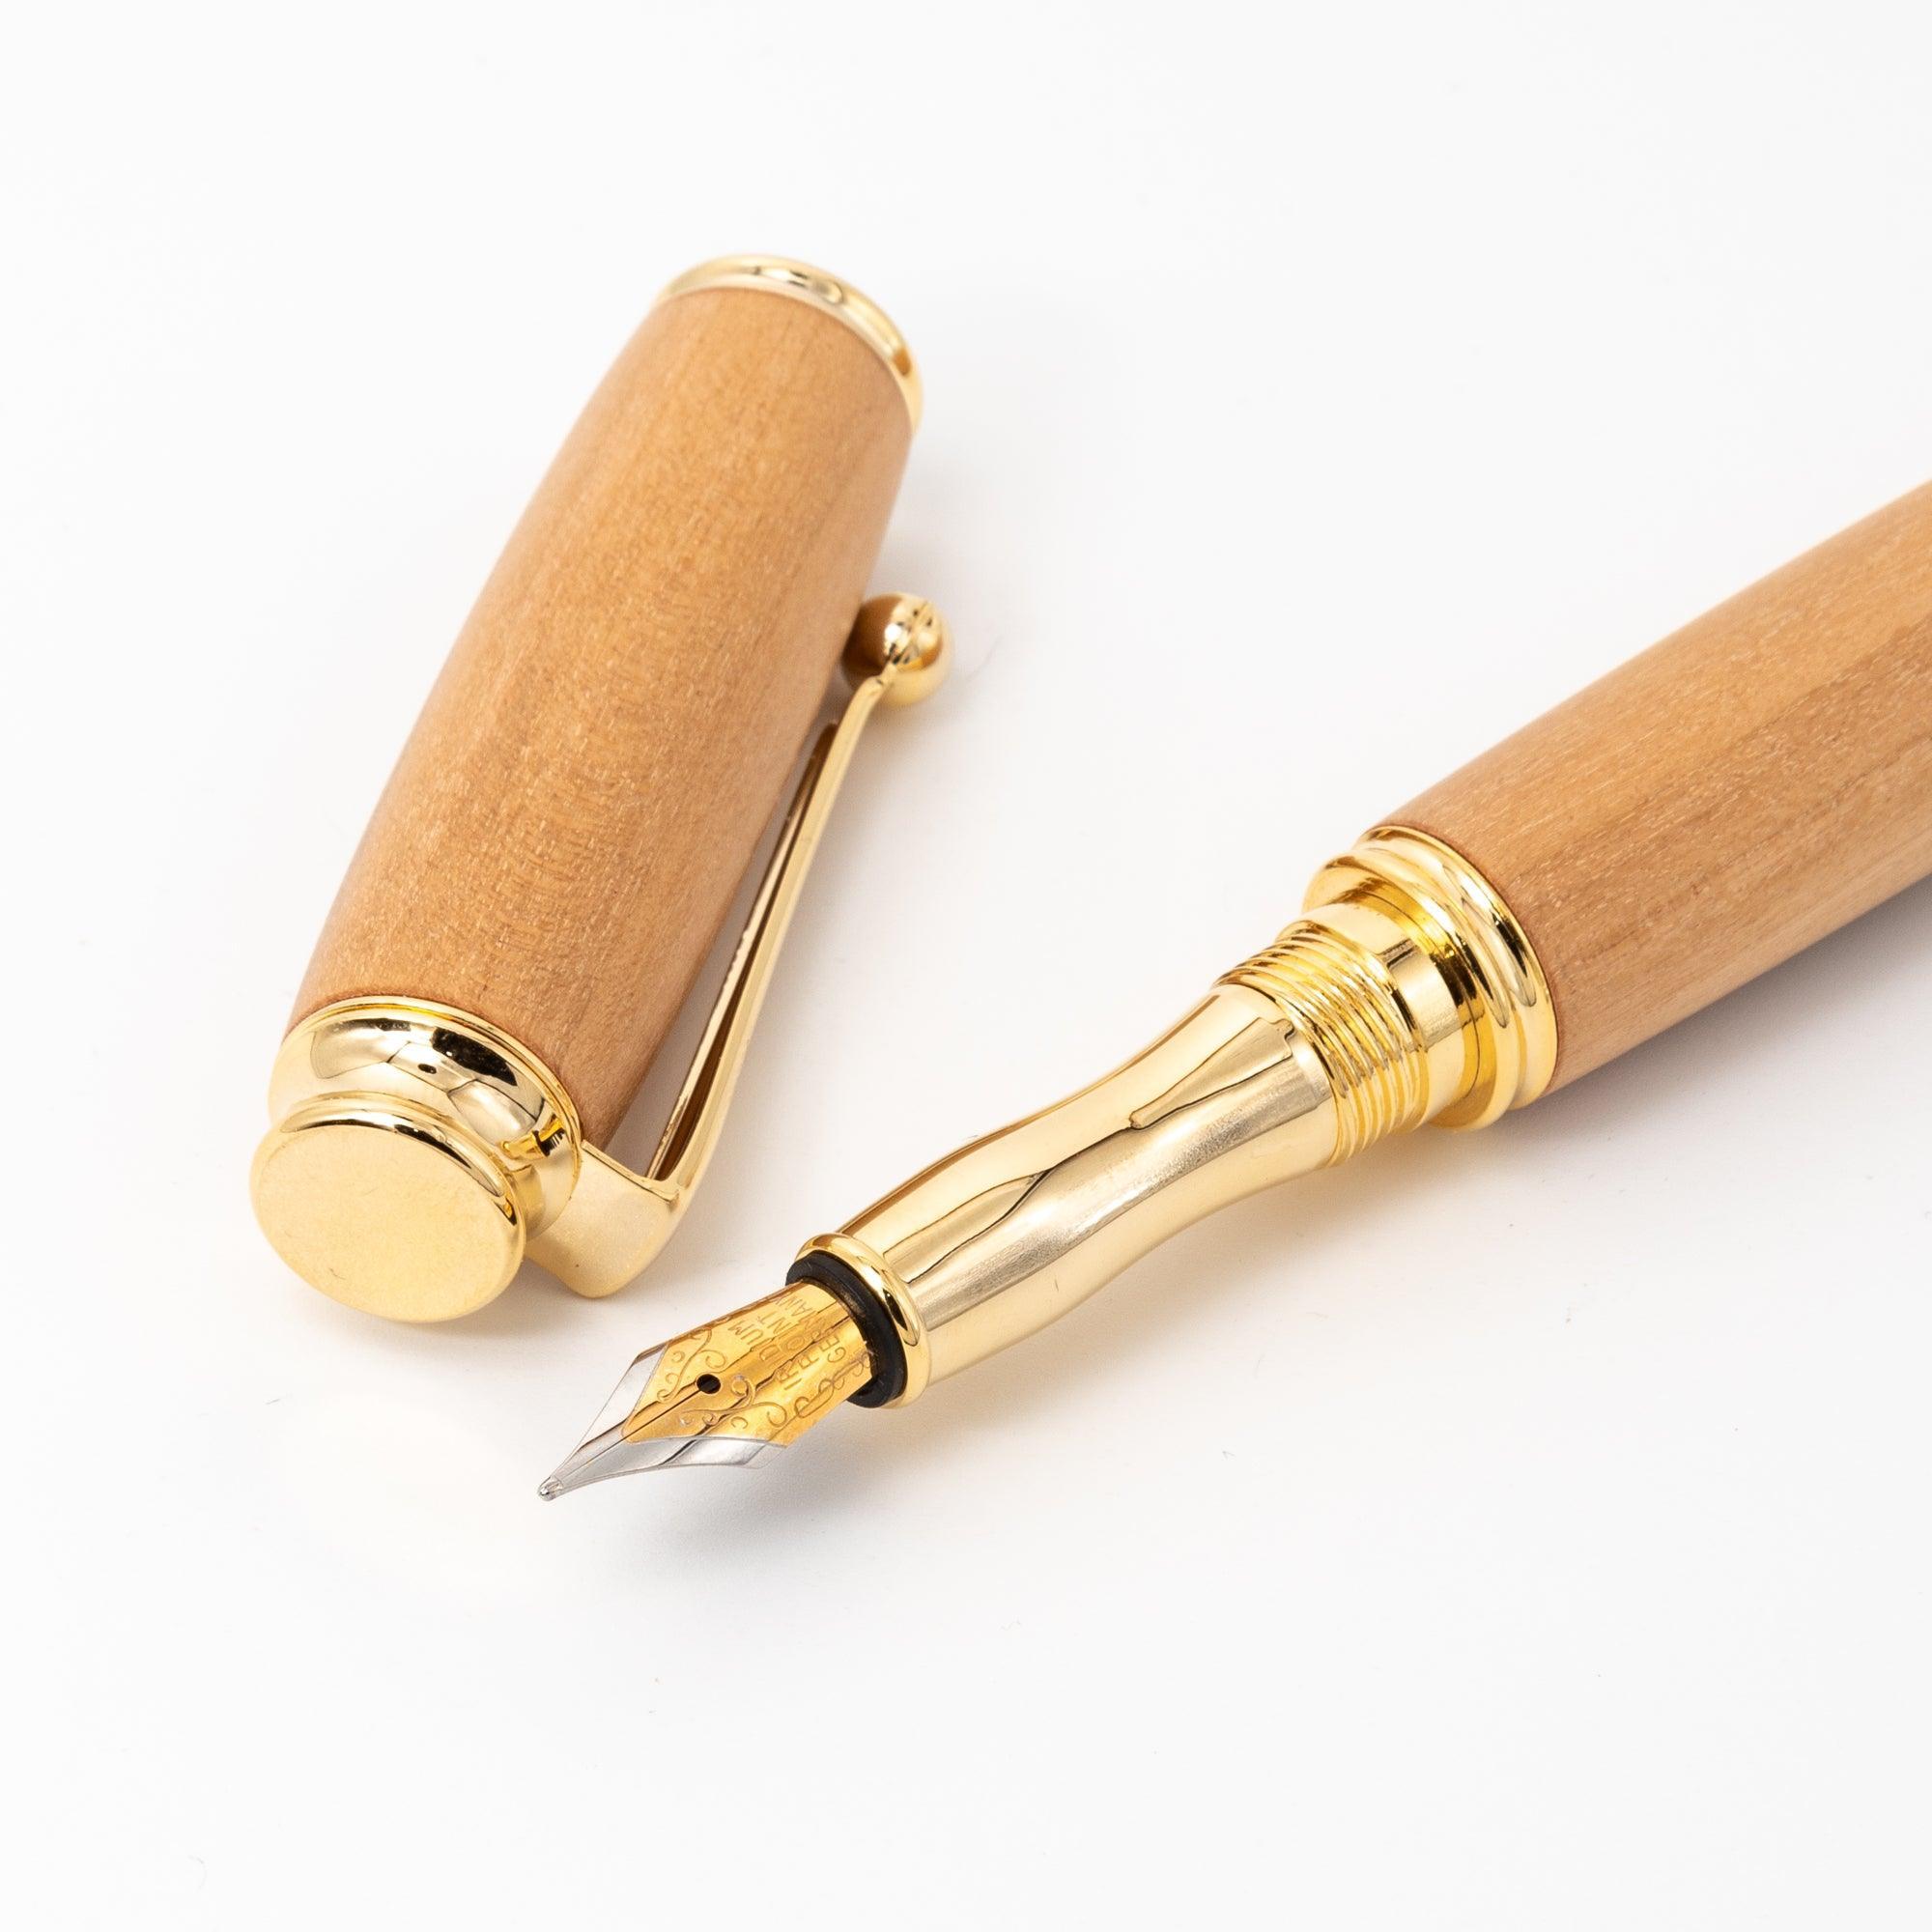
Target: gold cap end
415,1151
389,1210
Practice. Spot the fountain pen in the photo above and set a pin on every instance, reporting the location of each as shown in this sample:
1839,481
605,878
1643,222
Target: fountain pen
1702,813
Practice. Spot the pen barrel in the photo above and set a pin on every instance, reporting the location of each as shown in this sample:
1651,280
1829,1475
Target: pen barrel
570,820
1721,801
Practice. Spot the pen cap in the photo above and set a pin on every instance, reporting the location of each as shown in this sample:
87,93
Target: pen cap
588,779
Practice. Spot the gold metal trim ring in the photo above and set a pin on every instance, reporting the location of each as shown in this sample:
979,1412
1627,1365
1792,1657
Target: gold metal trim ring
1481,948
882,1282
777,274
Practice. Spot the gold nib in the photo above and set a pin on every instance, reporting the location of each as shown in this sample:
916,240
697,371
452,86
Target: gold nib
734,1391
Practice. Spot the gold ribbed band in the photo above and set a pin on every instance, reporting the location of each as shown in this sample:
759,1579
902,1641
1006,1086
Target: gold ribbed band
778,274
1415,987
1343,1000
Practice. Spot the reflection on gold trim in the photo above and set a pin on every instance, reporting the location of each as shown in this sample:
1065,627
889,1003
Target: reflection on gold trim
776,275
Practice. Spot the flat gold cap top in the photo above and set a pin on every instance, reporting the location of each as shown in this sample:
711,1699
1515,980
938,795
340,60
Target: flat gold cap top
416,1150
388,1210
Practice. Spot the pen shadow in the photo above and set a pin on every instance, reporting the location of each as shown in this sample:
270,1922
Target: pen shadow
1240,1252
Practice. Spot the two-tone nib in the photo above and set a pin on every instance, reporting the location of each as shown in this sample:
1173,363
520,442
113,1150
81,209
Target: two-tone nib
733,1392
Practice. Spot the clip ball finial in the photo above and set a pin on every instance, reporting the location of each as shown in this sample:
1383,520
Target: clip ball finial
902,640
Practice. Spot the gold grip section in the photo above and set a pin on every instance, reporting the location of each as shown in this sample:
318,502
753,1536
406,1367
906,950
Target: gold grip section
1405,994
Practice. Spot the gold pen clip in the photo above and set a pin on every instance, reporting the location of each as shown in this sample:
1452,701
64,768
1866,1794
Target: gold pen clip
420,1153
617,1220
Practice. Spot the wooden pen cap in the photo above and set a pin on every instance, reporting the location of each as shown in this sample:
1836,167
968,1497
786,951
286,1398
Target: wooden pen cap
574,812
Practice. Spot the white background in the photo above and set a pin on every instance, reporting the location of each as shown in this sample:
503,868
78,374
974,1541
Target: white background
1525,1529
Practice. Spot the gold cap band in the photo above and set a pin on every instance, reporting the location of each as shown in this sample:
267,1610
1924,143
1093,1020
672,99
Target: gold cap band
800,280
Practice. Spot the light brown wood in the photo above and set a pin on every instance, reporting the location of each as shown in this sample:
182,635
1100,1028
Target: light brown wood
1722,801
588,780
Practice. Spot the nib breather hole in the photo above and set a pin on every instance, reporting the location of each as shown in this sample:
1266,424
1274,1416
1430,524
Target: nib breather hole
710,1384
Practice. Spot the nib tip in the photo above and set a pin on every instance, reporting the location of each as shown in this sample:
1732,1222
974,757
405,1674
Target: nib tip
730,1393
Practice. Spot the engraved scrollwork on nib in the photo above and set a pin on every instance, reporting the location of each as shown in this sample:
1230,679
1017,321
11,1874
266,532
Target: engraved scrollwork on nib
732,1392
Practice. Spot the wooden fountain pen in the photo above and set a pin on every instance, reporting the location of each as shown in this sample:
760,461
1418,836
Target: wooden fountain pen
1684,824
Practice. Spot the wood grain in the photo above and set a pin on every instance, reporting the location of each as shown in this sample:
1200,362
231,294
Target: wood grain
1721,801
588,780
